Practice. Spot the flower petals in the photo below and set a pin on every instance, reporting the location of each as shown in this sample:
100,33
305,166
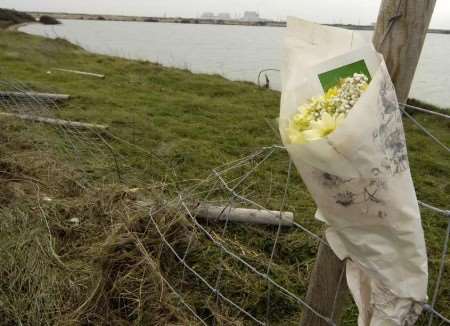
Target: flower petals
320,116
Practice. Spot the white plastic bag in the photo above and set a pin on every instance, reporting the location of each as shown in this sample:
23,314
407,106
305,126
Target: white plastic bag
359,176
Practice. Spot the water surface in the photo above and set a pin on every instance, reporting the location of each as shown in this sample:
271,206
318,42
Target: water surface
236,52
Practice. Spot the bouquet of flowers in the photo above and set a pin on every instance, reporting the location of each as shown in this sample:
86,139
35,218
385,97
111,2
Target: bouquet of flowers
341,124
320,116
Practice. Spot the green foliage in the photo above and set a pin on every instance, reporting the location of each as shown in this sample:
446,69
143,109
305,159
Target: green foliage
8,16
49,20
331,78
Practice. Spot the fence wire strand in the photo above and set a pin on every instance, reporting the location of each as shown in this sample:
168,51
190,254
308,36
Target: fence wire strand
439,279
425,130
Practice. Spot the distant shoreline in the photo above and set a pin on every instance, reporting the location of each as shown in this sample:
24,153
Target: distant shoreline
16,27
180,20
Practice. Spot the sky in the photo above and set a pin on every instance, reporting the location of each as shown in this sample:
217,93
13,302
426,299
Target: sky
322,11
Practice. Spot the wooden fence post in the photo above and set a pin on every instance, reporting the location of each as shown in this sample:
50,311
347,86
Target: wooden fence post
327,292
399,35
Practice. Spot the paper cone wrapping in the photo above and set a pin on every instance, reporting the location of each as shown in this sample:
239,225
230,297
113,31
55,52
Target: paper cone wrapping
359,176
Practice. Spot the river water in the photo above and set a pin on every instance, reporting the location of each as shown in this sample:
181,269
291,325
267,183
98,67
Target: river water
236,52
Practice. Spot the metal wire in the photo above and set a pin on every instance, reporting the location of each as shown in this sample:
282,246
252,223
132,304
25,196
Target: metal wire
435,209
253,203
218,173
18,98
439,278
425,130
180,297
252,268
433,312
446,213
392,22
269,265
416,108
213,289
258,81
231,187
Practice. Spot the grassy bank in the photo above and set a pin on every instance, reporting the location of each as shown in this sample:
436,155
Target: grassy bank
170,126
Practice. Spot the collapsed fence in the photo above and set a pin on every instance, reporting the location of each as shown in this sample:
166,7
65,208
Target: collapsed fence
249,257
239,199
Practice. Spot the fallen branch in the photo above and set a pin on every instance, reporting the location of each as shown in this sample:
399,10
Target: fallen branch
55,97
79,72
58,122
246,215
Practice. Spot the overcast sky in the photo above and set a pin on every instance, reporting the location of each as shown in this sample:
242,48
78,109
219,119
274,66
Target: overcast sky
324,11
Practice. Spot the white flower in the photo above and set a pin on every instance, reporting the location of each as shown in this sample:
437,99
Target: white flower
296,137
320,116
323,127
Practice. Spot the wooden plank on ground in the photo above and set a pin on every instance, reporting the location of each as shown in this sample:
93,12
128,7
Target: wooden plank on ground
40,96
58,122
245,215
79,72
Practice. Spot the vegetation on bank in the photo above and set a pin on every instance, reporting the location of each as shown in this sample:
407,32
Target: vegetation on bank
177,127
10,17
48,20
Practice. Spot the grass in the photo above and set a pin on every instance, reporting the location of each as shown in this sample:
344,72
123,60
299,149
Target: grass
108,268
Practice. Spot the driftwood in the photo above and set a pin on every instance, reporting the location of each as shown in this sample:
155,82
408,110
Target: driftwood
79,72
41,96
246,215
58,122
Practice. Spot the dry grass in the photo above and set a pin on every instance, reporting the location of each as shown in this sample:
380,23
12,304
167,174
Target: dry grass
110,267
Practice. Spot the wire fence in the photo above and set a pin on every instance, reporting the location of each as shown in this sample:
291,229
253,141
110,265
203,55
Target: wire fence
231,185
235,195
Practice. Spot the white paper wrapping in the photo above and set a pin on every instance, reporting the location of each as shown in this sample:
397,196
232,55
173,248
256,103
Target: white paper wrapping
359,176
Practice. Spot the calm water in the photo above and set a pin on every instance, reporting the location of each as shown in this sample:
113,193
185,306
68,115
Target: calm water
236,52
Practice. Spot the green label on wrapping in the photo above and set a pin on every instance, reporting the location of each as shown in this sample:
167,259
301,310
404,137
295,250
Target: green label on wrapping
331,78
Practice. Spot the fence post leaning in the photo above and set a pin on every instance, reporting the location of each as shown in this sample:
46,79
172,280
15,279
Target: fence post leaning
400,33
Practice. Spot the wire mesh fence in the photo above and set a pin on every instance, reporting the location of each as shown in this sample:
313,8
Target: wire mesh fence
237,198
221,267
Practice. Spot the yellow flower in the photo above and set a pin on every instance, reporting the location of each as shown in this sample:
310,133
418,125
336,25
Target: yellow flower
323,127
301,120
331,93
321,115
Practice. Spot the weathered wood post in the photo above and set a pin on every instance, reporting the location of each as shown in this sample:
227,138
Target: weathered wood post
327,291
399,35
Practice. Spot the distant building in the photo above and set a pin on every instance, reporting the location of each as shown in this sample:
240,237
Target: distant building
208,15
251,16
224,16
